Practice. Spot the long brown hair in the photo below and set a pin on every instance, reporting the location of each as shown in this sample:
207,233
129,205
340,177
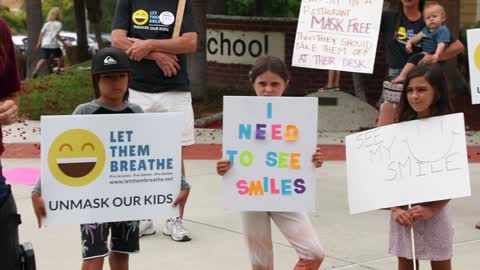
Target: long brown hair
434,75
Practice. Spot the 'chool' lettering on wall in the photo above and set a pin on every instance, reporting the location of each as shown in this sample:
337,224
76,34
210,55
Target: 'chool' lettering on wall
270,143
336,34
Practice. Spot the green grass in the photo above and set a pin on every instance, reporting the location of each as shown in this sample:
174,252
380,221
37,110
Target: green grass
61,94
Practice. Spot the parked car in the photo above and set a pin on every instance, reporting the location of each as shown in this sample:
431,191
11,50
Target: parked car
18,43
71,40
106,39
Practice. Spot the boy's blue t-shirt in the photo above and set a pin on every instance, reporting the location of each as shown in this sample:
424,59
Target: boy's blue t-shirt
431,39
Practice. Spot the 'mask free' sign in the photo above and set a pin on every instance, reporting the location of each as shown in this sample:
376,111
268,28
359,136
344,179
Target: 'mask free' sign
338,34
411,162
270,142
105,168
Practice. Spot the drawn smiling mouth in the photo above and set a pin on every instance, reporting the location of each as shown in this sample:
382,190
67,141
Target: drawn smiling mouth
140,19
446,152
76,167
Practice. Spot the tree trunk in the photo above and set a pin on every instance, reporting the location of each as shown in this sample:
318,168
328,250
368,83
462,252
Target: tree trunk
34,25
216,7
197,62
95,14
82,44
259,8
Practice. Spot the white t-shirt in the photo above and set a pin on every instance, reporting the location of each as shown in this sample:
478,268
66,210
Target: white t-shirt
50,30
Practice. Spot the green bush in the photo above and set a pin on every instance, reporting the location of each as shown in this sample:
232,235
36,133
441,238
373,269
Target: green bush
56,94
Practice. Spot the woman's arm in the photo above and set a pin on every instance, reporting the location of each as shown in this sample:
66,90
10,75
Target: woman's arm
452,51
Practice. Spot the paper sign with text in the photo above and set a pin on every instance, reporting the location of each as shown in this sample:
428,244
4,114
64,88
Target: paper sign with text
473,40
338,34
105,168
270,142
411,162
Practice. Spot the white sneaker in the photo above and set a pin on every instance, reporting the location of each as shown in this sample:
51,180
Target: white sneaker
174,228
146,227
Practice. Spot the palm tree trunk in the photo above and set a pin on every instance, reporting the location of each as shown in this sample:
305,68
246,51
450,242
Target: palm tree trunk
34,25
197,62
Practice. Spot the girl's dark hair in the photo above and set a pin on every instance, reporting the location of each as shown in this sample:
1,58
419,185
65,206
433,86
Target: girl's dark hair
96,79
268,63
434,75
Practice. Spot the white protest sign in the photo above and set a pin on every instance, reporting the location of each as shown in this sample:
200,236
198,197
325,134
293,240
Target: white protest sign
270,142
338,34
105,168
406,163
473,41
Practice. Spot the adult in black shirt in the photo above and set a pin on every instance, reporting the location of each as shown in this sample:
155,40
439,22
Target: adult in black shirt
398,29
144,29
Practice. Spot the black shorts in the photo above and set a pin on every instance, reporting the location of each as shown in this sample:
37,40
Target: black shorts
125,238
415,58
9,244
55,53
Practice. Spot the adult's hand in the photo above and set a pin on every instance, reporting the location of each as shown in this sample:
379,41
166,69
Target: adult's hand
139,49
8,112
427,59
168,63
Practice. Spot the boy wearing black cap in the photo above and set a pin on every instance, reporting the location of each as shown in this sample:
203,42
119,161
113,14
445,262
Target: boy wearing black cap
110,76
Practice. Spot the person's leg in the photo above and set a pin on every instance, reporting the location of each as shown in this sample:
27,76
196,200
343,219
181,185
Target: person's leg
118,261
441,265
94,245
59,64
336,83
125,240
403,75
387,114
184,186
9,243
331,78
258,236
39,65
179,102
93,264
406,264
301,234
147,102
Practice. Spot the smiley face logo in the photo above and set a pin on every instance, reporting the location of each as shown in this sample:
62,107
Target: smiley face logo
401,33
76,157
140,17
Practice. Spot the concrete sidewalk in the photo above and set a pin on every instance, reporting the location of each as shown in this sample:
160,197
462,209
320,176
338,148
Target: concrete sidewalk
351,242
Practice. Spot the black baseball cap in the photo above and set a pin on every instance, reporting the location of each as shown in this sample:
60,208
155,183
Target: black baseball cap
109,60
